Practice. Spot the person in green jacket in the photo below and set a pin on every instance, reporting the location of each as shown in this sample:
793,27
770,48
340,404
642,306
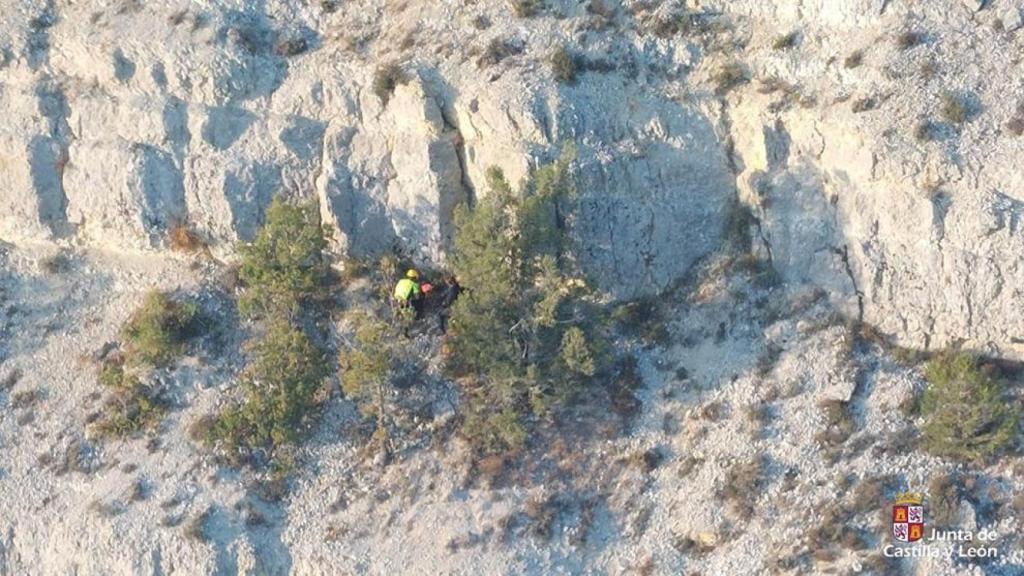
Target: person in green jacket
407,292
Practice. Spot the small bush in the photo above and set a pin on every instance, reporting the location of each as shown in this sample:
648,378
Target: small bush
943,501
966,414
280,386
288,47
497,50
527,8
839,423
284,266
25,398
58,263
647,461
925,131
196,529
132,406
183,239
743,483
854,60
1016,126
563,65
786,42
601,8
954,109
730,76
909,39
386,79
643,318
155,335
865,104
366,375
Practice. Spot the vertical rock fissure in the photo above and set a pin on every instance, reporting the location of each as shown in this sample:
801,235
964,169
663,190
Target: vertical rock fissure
844,255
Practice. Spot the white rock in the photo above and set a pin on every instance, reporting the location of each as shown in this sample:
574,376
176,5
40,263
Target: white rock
1013,18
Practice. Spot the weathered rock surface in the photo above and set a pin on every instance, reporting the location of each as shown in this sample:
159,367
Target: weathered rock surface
123,136
122,120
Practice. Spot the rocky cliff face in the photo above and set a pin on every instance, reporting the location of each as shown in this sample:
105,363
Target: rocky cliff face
130,121
875,144
122,122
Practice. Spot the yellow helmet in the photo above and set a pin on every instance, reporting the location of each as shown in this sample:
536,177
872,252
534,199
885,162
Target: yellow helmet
412,274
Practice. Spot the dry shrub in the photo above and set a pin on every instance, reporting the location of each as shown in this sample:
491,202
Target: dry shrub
182,238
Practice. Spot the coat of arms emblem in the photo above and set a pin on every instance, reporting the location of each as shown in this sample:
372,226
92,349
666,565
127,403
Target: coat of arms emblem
908,518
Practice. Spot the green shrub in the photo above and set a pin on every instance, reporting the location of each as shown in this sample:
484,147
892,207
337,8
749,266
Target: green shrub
527,8
925,131
367,372
132,407
386,79
909,39
743,482
527,334
966,413
497,50
643,318
786,42
954,109
280,387
155,335
284,266
730,76
1016,126
563,65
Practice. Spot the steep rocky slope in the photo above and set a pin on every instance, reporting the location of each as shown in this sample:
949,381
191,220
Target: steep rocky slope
128,119
874,144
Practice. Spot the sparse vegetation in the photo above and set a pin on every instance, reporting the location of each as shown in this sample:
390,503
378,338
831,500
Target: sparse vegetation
155,335
526,8
909,39
280,388
786,42
25,398
966,414
291,46
601,8
1016,126
182,238
925,131
563,65
839,423
386,79
196,529
133,406
943,501
284,267
743,482
865,104
366,373
57,263
730,76
497,50
644,319
954,109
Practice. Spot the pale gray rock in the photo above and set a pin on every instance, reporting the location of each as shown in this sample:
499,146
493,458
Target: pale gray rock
1013,18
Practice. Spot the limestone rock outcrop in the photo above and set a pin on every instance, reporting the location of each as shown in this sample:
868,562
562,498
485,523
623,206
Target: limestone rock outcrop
121,124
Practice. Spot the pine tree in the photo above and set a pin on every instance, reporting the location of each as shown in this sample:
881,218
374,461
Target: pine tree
284,266
367,372
967,415
526,333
